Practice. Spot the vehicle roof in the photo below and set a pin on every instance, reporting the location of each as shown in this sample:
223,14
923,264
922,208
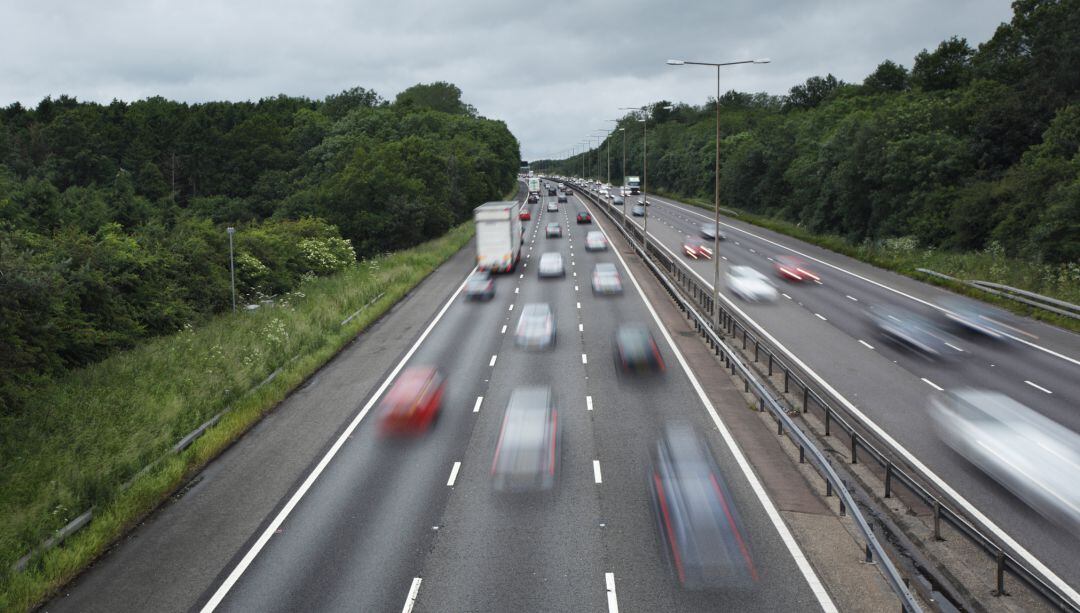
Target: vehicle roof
606,267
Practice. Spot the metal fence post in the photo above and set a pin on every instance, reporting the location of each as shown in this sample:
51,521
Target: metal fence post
888,480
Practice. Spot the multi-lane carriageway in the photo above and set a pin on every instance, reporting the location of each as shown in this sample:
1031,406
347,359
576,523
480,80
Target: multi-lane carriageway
372,524
823,327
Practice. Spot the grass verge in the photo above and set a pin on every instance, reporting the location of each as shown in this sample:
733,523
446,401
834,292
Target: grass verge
904,256
81,437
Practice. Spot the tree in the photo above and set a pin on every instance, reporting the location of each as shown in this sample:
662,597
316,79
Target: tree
438,96
813,92
888,77
948,67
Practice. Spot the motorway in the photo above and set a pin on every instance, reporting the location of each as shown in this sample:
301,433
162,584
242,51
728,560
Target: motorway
378,524
825,327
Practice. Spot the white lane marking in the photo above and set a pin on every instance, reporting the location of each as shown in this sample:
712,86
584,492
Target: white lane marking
503,329
1038,387
584,359
801,562
581,327
820,316
579,305
521,276
410,600
868,345
932,384
511,307
516,289
493,358
588,403
575,288
596,471
272,528
955,347
453,474
851,297
1072,593
723,257
476,407
782,294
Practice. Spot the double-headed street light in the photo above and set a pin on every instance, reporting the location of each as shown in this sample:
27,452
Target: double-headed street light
716,205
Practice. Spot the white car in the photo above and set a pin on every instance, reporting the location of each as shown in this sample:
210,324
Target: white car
551,265
749,284
595,241
606,279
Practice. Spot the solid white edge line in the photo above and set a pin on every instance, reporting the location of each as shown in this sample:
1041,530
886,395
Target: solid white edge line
820,316
1038,387
476,407
877,283
410,600
801,562
612,600
596,471
453,474
584,359
866,344
588,403
850,297
249,557
932,384
878,431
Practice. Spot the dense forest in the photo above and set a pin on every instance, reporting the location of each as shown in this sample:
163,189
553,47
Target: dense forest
113,216
972,148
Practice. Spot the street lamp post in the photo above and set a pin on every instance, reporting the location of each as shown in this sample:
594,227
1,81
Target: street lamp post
232,268
716,203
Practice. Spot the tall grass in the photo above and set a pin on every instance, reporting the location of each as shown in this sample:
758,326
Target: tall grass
903,255
79,438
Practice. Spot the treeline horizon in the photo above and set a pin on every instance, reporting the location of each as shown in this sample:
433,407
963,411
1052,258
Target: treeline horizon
969,149
113,216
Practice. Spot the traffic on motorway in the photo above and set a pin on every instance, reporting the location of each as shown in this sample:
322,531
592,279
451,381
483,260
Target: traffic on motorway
962,388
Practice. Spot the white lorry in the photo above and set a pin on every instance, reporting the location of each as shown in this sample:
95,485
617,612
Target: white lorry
634,183
534,185
498,236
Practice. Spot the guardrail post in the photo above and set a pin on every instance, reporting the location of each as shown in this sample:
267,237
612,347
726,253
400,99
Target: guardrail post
744,339
805,399
746,385
937,521
757,348
843,509
854,454
828,420
786,371
870,558
828,488
761,404
770,363
1000,591
802,455
779,426
888,480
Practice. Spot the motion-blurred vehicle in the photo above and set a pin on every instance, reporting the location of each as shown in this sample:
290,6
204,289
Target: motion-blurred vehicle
553,207
528,449
606,279
708,230
553,230
618,201
749,284
536,326
791,268
524,215
702,533
638,211
636,351
550,190
642,201
533,198
1031,455
499,234
975,318
595,241
912,331
696,248
480,286
413,402
561,199
584,217
551,265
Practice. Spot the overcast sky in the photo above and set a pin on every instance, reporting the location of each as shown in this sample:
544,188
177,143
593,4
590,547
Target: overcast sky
554,71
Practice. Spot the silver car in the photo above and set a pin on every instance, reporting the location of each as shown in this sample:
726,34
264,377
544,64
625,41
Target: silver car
605,279
536,327
749,284
553,207
595,241
551,265
528,449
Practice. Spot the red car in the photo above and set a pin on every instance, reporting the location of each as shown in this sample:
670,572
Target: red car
696,248
793,269
524,215
584,217
413,402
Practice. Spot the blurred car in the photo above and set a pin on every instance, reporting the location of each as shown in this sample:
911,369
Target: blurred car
524,215
1031,455
912,331
480,286
553,230
413,402
551,265
606,279
643,201
696,248
561,199
976,318
638,211
791,268
618,201
636,351
536,326
700,527
551,190
553,207
708,230
527,452
595,241
584,217
533,198
749,284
